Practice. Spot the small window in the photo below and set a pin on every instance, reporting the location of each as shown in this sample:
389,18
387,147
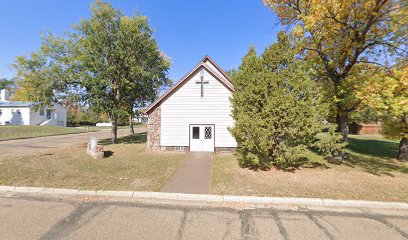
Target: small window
48,114
41,112
207,132
1,112
196,132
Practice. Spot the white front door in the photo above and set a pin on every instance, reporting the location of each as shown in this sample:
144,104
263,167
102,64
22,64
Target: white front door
202,138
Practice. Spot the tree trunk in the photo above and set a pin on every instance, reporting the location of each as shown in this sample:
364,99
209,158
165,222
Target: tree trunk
132,130
343,128
342,125
342,112
114,132
403,149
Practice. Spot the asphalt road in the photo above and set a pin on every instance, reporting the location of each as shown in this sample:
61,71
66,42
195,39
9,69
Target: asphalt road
73,217
39,144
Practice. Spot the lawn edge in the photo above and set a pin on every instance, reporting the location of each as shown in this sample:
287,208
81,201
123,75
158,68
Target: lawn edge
20,138
315,202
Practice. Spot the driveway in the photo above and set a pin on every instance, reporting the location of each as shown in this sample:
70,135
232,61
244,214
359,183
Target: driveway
193,176
39,144
75,217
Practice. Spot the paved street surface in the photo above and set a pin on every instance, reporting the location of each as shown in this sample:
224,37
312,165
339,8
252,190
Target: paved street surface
40,144
75,217
193,176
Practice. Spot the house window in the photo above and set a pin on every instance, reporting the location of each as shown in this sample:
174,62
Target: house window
207,131
1,112
48,114
196,132
41,112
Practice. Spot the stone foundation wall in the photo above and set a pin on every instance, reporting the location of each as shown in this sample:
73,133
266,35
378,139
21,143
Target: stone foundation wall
154,127
232,150
174,149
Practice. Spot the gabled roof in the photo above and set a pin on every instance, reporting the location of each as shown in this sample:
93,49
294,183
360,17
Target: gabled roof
16,104
224,79
216,66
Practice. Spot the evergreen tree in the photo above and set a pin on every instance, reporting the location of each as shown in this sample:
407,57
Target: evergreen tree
277,108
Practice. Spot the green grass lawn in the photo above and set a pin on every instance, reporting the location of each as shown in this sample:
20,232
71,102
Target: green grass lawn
127,166
370,173
16,132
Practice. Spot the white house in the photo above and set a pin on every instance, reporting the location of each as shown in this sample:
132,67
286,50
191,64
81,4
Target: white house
23,113
143,118
194,115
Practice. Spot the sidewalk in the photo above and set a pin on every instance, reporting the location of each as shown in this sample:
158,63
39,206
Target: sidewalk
193,176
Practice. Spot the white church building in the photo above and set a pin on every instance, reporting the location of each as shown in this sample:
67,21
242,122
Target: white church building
195,114
23,113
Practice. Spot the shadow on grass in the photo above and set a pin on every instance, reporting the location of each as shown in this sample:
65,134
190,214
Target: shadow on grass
316,165
374,156
107,154
304,162
373,165
378,159
377,166
137,138
373,147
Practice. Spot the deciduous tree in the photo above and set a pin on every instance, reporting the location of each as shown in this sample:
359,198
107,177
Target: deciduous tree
341,34
387,92
111,59
6,84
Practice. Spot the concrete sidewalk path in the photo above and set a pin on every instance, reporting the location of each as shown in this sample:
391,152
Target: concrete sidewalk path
193,176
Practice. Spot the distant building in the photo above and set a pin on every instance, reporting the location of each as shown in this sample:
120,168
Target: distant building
142,118
23,113
365,128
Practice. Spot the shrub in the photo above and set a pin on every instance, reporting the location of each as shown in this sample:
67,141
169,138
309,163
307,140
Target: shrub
329,144
277,108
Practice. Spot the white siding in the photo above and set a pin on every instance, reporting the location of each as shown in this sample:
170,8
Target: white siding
215,69
28,116
186,106
58,116
10,115
35,118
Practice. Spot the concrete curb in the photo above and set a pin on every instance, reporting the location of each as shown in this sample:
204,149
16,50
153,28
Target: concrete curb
317,202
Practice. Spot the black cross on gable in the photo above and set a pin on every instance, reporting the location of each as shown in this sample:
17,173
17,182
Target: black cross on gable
202,82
